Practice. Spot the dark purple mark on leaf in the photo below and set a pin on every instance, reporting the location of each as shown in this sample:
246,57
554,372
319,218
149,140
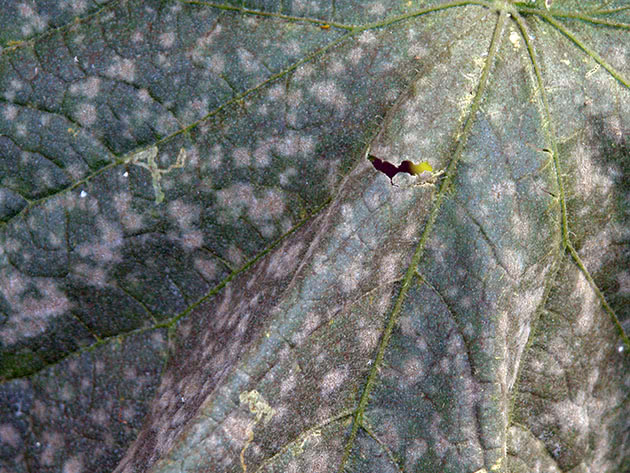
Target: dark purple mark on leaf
390,170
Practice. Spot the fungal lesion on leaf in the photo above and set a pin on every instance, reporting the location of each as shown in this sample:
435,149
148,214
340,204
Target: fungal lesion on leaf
146,159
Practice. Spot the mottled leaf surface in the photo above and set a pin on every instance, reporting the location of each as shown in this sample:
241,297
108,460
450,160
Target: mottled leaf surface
200,269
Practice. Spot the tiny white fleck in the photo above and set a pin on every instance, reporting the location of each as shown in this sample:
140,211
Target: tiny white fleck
126,174
76,59
83,194
620,349
37,444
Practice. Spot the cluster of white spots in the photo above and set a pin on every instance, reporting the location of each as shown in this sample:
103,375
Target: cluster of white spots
36,22
287,385
122,68
333,380
89,87
34,311
328,93
293,143
355,55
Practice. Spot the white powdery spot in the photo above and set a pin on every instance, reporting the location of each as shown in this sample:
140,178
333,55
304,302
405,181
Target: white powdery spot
241,157
276,92
590,179
337,67
207,268
191,240
623,279
584,321
183,213
368,339
287,385
167,39
93,275
414,452
355,55
417,51
9,435
353,275
86,114
216,157
286,176
247,59
9,112
35,312
73,465
232,200
235,255
311,322
390,266
285,260
328,93
53,443
333,380
143,95
217,63
377,9
270,206
122,68
367,37
514,261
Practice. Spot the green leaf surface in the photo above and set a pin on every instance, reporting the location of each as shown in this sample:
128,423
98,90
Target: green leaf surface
201,270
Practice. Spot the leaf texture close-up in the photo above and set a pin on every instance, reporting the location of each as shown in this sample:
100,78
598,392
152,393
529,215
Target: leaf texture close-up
314,236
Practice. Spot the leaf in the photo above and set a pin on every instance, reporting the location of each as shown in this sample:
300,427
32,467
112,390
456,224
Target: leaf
201,271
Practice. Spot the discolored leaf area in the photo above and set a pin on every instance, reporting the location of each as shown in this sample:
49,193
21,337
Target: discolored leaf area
201,269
